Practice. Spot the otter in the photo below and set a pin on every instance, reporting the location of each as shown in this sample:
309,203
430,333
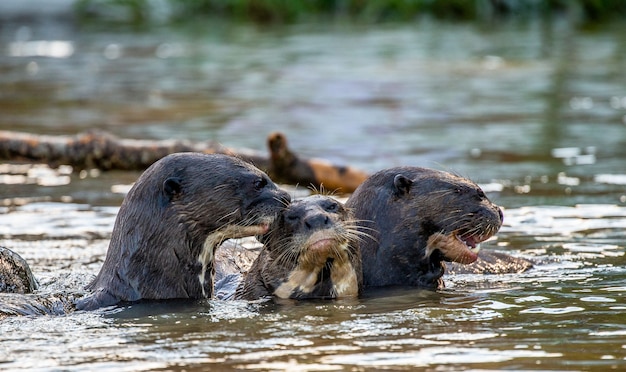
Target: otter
418,218
19,293
310,252
15,274
169,224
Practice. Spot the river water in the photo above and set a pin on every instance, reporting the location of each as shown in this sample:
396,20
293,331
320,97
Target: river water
534,111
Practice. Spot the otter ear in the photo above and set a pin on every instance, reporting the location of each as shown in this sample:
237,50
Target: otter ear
402,184
172,186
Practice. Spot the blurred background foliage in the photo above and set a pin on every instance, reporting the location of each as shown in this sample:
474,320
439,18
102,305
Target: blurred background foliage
139,12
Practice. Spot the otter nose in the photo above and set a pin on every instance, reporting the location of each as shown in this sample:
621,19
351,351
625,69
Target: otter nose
500,214
316,221
284,197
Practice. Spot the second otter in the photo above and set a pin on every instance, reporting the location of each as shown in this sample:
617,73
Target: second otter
310,252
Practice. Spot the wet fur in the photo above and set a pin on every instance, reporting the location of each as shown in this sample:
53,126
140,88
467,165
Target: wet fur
408,206
288,268
15,274
171,221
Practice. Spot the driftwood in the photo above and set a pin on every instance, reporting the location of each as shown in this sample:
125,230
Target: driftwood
102,150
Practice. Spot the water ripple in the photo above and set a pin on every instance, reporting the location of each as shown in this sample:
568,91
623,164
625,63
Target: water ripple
597,299
435,355
553,310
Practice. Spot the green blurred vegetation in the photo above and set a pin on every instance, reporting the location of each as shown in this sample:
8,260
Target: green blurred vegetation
290,11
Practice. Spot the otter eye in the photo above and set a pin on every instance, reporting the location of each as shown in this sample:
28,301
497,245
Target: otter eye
481,193
260,183
332,207
461,190
292,217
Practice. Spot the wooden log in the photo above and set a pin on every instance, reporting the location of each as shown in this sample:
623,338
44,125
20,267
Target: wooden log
287,167
102,150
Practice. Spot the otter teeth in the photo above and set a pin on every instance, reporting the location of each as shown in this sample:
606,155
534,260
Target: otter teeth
471,245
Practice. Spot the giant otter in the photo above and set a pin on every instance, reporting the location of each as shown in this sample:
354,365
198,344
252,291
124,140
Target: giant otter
19,293
179,210
309,252
418,218
15,274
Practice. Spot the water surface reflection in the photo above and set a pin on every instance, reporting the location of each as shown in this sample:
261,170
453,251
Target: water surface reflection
533,112
478,321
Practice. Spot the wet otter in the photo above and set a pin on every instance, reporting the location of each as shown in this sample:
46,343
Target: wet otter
423,217
309,252
18,290
15,274
179,210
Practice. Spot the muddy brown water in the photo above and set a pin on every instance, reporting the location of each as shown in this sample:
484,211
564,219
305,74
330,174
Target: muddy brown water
534,112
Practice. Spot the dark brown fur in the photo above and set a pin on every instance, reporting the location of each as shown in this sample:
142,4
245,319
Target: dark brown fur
171,221
418,218
310,252
15,274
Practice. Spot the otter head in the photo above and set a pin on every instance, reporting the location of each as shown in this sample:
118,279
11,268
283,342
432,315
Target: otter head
422,217
171,221
221,199
309,252
15,274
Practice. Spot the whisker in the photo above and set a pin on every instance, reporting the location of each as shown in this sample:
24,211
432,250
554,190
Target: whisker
282,201
360,236
429,249
224,217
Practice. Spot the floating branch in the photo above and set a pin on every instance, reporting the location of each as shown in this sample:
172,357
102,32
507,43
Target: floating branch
97,149
287,167
102,150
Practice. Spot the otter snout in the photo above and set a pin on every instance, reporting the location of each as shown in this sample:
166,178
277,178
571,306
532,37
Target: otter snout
317,221
282,197
491,214
267,205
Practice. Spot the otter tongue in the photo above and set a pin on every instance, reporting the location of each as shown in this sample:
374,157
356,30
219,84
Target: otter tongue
471,243
453,247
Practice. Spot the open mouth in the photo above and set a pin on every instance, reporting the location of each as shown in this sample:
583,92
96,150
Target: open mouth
456,247
262,225
472,242
260,229
239,231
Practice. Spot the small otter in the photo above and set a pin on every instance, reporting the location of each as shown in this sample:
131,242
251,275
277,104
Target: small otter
179,210
15,274
422,217
309,252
